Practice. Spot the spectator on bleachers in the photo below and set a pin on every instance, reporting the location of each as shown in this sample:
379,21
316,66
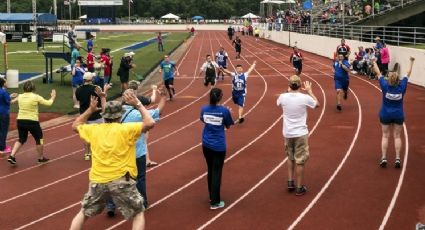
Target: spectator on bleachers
358,61
385,58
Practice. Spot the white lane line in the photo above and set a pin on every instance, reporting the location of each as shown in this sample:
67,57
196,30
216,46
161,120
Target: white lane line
42,187
36,166
201,176
325,187
402,175
399,184
276,168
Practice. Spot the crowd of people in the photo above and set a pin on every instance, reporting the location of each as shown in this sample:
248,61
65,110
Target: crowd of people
120,156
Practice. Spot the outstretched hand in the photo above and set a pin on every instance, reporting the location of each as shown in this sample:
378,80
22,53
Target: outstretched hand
307,86
130,98
53,93
93,104
412,59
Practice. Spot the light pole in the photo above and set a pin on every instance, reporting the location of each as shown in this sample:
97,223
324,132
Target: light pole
8,6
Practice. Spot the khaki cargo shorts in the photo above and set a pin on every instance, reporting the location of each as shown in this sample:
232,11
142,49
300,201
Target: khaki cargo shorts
297,149
123,192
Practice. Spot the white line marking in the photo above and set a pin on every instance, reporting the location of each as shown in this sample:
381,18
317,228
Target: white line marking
401,178
275,169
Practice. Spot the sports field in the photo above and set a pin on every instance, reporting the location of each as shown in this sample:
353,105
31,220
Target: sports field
346,187
24,57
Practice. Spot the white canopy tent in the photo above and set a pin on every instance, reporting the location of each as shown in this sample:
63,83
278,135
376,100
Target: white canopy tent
270,4
170,16
250,15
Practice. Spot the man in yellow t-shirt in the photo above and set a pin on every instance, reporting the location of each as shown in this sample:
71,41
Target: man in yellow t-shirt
113,161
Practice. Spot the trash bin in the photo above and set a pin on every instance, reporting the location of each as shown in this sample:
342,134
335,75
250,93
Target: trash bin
12,78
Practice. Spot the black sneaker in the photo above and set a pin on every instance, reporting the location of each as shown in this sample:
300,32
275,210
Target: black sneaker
11,160
301,191
291,185
383,163
241,120
397,163
43,160
345,95
110,213
339,107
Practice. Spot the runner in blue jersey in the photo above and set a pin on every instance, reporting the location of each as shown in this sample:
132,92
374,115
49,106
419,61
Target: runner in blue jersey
342,68
391,114
169,69
221,59
239,83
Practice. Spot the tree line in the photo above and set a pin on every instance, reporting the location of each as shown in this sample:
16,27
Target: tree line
210,9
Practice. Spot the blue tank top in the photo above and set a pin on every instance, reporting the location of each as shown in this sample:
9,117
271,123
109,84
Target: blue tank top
239,83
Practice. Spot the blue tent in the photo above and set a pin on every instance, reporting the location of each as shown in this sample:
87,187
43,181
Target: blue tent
198,18
27,18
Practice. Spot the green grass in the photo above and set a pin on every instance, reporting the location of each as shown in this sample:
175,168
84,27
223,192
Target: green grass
419,46
145,59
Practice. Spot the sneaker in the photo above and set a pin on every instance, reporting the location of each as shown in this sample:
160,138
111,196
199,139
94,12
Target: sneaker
397,163
345,95
8,149
87,156
291,185
383,163
339,107
76,106
43,160
420,226
110,213
354,72
241,120
11,160
217,206
301,191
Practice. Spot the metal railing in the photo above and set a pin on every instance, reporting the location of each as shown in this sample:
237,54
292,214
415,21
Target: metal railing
392,35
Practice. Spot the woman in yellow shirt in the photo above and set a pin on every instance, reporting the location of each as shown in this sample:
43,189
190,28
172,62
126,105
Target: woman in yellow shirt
27,120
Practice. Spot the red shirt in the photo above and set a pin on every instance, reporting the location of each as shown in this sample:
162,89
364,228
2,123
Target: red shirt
90,60
107,61
159,38
296,57
343,49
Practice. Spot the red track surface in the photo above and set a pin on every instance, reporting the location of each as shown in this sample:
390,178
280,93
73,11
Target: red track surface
347,189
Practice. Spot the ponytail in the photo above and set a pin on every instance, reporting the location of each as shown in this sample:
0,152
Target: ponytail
215,96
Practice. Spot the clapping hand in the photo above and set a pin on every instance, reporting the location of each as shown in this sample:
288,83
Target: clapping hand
14,95
99,92
412,59
162,92
53,93
154,87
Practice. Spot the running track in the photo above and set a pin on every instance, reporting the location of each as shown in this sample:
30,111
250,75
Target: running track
346,188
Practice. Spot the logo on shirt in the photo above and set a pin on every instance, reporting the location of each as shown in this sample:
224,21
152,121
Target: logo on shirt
393,96
213,120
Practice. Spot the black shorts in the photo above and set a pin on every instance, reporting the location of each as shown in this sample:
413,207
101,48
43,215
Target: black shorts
124,79
25,126
168,82
238,50
298,66
209,79
390,121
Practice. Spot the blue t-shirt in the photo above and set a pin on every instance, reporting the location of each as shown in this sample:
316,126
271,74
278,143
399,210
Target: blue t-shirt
239,82
4,102
392,99
167,69
77,79
215,118
340,73
90,44
133,115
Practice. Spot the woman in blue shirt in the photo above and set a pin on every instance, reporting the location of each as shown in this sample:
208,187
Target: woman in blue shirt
216,118
391,114
5,99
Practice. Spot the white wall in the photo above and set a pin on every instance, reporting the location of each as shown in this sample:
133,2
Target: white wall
326,46
154,27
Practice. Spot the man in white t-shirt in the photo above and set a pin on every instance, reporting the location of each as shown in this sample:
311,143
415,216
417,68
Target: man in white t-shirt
210,68
295,132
